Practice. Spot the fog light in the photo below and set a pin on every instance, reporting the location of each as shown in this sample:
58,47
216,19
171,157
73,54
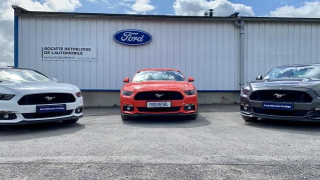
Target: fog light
128,107
79,110
6,116
189,107
245,107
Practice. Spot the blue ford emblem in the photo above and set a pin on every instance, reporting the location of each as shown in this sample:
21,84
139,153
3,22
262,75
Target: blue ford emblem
132,37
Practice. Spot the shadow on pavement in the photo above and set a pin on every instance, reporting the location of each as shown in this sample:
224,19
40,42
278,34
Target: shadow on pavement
105,111
36,131
101,111
167,122
219,108
280,125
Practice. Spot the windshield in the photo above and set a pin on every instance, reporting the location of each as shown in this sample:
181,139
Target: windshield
21,75
294,72
158,75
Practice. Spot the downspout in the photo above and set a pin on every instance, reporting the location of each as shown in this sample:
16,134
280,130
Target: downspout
240,24
16,33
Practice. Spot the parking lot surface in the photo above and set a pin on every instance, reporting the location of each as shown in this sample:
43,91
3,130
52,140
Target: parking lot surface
218,145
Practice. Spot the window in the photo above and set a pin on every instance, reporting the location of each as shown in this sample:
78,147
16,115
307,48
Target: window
158,76
294,72
22,75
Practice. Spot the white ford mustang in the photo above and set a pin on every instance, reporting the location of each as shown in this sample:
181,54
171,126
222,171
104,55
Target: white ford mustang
28,96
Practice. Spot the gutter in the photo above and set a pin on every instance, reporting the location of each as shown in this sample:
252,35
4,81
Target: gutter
240,24
16,41
17,13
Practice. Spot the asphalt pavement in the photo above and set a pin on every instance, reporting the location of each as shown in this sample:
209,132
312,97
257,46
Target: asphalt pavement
218,145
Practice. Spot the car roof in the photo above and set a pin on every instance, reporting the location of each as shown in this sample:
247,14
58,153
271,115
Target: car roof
15,68
300,65
8,68
159,69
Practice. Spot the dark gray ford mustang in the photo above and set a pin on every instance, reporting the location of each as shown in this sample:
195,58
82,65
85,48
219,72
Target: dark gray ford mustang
289,92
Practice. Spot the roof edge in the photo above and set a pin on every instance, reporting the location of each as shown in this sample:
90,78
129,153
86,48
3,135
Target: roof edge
16,7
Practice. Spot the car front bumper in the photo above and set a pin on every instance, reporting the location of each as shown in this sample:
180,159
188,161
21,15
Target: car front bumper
312,114
20,110
157,115
181,104
24,122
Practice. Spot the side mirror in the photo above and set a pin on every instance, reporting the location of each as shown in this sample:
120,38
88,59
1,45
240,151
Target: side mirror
55,80
126,80
190,79
260,77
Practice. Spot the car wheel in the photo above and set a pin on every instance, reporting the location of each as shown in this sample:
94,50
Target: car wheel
125,118
249,119
193,116
73,121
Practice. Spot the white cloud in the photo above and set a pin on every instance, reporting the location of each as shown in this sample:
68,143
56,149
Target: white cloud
131,12
105,1
142,6
221,8
6,21
62,5
307,9
137,6
125,4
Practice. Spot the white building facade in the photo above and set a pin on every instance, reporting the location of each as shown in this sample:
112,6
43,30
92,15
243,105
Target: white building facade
221,53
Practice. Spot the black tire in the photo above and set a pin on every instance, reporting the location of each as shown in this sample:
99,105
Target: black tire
249,119
72,121
125,118
192,117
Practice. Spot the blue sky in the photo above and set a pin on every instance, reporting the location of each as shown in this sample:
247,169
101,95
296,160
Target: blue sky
163,7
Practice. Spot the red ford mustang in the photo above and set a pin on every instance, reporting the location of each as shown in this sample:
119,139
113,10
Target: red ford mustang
158,92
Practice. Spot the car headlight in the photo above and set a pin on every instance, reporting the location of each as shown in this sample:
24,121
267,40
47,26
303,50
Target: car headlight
78,94
127,93
190,92
6,97
246,89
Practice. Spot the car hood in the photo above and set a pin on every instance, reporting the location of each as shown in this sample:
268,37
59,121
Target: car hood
286,83
35,87
159,86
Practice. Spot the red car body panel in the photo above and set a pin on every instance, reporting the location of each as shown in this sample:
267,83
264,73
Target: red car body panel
153,86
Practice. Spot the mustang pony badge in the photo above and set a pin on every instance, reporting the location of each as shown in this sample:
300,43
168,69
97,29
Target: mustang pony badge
159,95
48,98
279,95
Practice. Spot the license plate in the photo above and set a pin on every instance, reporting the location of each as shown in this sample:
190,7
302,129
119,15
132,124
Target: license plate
278,106
158,104
51,108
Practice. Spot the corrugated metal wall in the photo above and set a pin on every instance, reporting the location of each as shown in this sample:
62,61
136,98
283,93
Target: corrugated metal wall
268,45
208,51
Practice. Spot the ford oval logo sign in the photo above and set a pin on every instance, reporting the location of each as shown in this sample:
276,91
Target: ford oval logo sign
132,37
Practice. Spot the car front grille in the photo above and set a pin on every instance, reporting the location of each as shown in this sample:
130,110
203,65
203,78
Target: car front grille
286,96
46,115
170,109
280,112
159,95
46,98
